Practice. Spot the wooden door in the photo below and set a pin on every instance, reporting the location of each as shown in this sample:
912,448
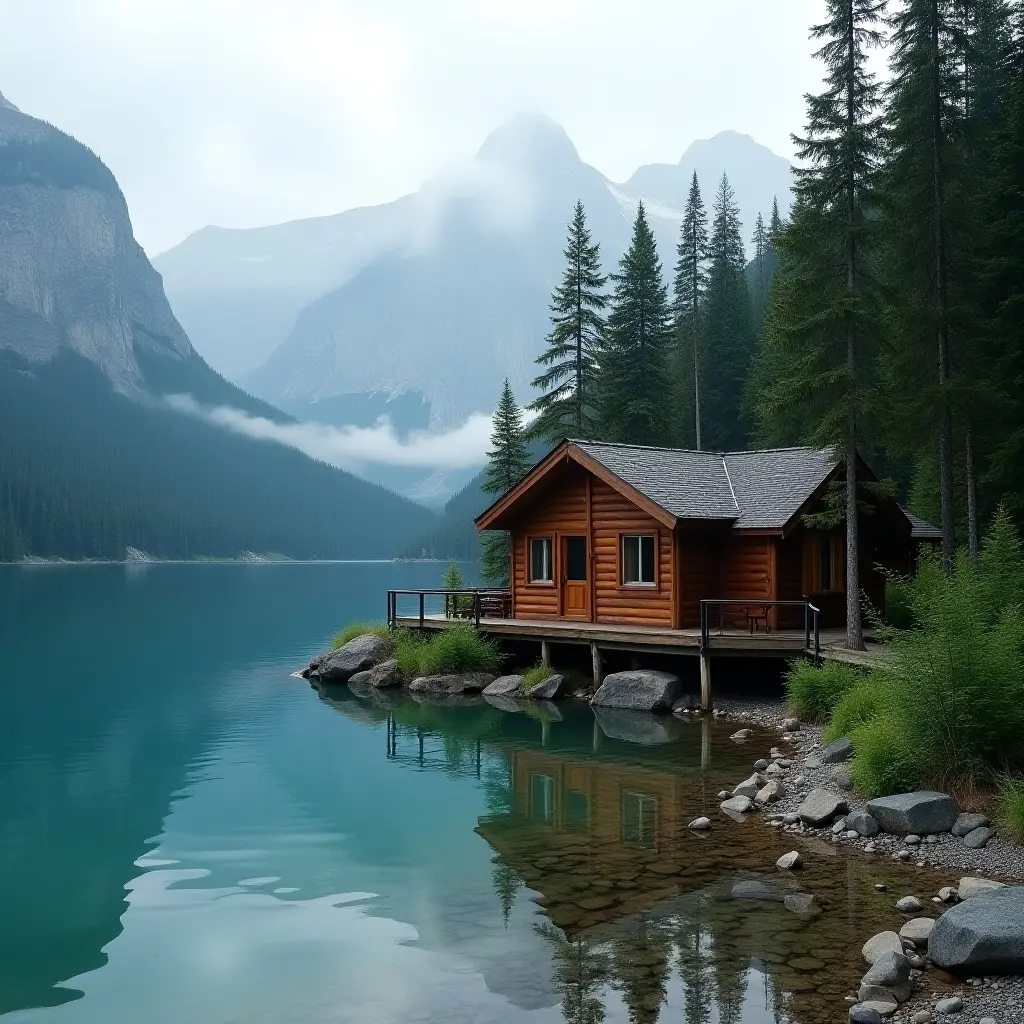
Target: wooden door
575,578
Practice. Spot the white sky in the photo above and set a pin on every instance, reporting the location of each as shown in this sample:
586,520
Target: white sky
248,112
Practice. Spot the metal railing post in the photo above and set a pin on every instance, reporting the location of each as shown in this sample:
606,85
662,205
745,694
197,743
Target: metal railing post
703,626
807,624
422,596
476,607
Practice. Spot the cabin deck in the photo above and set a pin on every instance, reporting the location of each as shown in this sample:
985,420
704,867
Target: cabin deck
659,640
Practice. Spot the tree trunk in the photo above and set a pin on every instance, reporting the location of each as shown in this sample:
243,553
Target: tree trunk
941,308
973,544
696,336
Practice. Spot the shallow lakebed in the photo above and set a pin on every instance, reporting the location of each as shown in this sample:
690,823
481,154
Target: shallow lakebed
189,833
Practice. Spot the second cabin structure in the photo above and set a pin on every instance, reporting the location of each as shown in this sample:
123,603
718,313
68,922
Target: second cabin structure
635,536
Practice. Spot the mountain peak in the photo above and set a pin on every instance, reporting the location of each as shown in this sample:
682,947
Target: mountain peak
6,104
529,138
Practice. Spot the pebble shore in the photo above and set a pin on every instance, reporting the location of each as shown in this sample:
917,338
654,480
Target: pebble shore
987,1000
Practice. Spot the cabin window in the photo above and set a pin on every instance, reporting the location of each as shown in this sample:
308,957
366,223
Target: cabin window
540,560
638,561
639,818
577,810
542,797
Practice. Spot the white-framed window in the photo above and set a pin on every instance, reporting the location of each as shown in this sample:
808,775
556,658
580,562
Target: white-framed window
540,560
639,565
639,818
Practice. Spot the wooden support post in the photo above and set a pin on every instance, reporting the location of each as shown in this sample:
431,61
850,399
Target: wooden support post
595,658
634,662
705,681
595,741
545,731
545,653
705,743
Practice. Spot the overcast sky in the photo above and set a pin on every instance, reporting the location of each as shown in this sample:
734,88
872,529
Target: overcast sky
248,112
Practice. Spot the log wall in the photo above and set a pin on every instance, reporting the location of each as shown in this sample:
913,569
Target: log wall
698,559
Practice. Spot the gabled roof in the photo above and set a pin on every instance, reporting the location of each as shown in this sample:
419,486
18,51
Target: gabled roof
751,490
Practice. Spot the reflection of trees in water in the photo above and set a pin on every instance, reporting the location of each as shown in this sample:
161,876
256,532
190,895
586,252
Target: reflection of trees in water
730,979
641,964
581,969
506,882
693,939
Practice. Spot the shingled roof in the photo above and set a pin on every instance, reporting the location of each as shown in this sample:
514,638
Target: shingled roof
755,490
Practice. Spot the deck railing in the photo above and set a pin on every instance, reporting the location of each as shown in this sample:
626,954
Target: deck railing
760,610
466,603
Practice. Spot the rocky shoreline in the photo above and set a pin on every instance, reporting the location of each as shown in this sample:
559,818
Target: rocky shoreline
801,768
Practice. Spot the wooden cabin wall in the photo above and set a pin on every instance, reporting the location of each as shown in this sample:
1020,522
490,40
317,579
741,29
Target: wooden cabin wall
697,559
746,572
789,579
559,509
613,515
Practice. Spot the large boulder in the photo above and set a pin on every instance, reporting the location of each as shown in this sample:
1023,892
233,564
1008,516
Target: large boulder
971,886
551,688
356,656
381,677
638,690
983,935
919,813
505,686
466,682
820,807
635,727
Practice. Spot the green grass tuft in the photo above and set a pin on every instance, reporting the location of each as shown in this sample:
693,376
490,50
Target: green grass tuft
1010,817
882,764
459,648
354,629
858,706
533,676
814,691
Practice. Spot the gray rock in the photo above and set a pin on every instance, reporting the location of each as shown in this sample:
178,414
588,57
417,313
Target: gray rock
862,823
801,903
790,724
820,807
947,894
883,1007
839,827
914,813
812,763
760,765
552,688
844,780
982,935
789,861
466,682
878,945
724,794
968,823
384,676
837,752
638,690
356,656
742,734
922,1017
639,727
771,791
971,886
505,686
978,838
918,930
875,993
891,968
861,1013
774,770
949,1006
751,889
737,805
749,787
912,840
908,905
700,824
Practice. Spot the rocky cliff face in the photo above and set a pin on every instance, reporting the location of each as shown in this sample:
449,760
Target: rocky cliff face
72,276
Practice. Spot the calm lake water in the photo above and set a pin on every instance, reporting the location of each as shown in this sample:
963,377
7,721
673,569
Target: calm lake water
189,834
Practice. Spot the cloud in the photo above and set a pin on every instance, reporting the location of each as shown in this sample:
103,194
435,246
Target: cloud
352,448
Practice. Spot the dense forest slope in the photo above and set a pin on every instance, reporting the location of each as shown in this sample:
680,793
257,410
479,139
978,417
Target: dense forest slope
91,457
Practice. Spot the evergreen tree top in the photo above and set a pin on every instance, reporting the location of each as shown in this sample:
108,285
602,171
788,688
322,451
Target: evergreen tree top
726,238
509,458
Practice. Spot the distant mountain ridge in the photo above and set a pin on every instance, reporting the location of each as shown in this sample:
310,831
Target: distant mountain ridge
92,460
444,291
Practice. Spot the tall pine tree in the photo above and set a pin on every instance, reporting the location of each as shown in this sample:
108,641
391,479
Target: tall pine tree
635,392
690,286
508,461
826,323
566,406
762,270
729,340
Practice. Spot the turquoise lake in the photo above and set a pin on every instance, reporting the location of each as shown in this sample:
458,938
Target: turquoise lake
188,833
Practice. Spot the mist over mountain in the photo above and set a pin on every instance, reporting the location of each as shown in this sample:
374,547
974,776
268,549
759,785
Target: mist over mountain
93,459
442,293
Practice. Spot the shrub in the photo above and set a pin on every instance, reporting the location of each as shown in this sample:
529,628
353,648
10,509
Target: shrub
533,676
881,765
354,629
861,704
408,652
898,611
814,690
459,648
1011,807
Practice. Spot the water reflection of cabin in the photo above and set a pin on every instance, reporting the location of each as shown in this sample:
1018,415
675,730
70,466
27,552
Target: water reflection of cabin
617,534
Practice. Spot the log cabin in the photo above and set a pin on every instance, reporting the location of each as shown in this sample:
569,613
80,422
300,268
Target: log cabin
639,536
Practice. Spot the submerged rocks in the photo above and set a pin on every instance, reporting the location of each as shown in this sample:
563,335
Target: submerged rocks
467,682
737,805
356,656
982,935
638,727
820,807
914,813
638,690
505,686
